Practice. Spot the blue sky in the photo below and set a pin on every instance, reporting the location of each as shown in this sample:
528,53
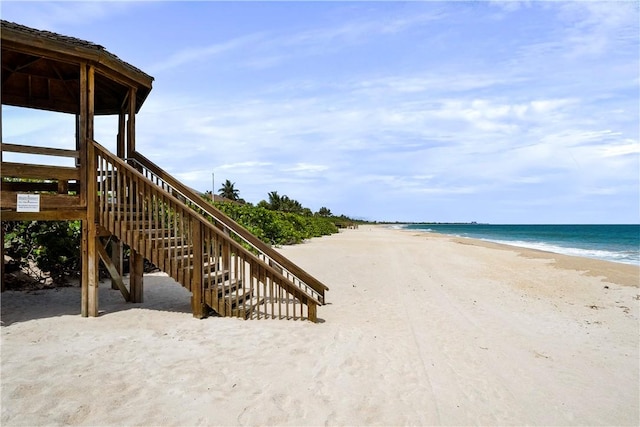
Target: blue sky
501,112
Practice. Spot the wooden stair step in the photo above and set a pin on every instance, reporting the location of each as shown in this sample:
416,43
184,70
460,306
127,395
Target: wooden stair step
245,309
165,242
141,224
133,210
226,288
238,297
161,239
216,277
214,265
227,296
157,233
185,250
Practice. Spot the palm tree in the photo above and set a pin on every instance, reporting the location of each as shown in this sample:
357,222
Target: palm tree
324,211
290,205
275,201
228,191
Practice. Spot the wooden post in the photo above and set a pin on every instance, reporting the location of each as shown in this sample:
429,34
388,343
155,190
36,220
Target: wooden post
136,270
81,134
2,285
81,139
80,157
120,143
116,258
197,298
131,128
92,231
313,311
84,272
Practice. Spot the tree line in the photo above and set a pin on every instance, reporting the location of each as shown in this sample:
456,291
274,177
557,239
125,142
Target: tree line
275,201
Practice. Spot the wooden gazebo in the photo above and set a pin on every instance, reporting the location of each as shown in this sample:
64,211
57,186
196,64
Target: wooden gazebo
49,71
127,198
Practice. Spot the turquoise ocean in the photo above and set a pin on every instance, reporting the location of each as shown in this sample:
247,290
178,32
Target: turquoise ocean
618,243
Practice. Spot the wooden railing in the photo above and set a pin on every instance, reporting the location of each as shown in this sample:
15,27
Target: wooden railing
204,257
58,186
45,178
300,278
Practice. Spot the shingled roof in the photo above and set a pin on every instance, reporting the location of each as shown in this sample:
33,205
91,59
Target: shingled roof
6,25
46,55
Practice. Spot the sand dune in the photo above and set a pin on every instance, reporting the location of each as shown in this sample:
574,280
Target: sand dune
421,329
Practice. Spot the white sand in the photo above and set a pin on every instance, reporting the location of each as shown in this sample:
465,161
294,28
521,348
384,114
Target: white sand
420,330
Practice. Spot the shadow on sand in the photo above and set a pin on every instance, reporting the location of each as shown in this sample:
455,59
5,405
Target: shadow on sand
160,293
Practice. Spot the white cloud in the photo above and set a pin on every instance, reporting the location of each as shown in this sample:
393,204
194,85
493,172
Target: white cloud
626,148
243,165
306,168
203,53
432,83
595,26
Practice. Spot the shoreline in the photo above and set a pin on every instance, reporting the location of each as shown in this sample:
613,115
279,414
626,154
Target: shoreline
618,272
418,330
536,245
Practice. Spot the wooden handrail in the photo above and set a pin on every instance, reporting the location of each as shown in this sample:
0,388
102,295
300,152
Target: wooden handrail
25,170
226,221
45,151
238,248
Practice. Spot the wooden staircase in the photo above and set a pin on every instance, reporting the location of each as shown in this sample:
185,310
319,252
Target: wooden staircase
228,270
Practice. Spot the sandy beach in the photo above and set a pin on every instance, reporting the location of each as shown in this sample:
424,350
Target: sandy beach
420,329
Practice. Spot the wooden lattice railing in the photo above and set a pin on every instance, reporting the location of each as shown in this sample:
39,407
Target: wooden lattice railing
205,256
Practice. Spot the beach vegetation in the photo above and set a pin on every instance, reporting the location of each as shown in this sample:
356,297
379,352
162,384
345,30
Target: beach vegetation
284,204
44,246
277,227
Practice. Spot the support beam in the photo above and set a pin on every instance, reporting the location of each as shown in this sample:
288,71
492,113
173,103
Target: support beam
63,187
198,307
49,215
92,251
81,154
131,128
2,285
313,311
117,250
81,137
120,143
84,269
136,274
115,276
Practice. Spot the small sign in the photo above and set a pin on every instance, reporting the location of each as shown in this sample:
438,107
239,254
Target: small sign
28,203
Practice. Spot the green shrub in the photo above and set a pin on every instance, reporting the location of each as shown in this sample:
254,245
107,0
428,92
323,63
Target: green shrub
54,246
275,227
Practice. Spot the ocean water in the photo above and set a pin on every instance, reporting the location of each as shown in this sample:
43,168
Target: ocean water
618,243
